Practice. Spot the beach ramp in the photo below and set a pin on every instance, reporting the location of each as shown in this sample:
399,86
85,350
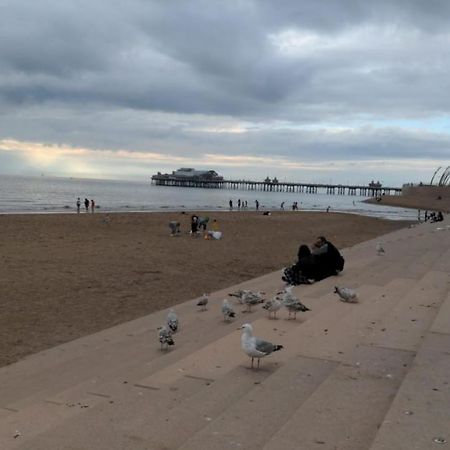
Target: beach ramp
368,375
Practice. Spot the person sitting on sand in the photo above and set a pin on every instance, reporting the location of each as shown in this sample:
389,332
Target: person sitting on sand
174,228
327,257
215,232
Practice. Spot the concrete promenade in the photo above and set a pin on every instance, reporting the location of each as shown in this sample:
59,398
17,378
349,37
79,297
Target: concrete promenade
372,375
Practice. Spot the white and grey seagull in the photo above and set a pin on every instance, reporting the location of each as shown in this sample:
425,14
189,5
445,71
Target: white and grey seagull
172,321
292,303
255,347
251,298
379,248
203,302
165,338
346,295
272,306
227,310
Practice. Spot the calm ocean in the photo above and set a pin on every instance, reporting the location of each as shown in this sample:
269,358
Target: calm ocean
49,194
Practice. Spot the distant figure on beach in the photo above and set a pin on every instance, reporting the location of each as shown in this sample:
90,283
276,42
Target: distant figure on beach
92,205
257,205
328,208
231,204
282,206
215,232
174,228
78,205
194,225
86,204
239,203
203,222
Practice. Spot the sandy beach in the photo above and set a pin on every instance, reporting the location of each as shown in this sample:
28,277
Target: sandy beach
68,275
413,202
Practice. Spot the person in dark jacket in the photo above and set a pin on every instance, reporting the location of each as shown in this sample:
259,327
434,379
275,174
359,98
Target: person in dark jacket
329,260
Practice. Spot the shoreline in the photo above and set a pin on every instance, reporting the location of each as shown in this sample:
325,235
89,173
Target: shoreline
70,275
219,209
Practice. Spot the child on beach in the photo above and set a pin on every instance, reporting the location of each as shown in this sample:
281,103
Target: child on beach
194,225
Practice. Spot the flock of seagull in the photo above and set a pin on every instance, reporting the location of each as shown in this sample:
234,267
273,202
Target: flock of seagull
254,347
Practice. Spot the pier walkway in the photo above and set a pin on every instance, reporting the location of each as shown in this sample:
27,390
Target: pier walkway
308,188
367,376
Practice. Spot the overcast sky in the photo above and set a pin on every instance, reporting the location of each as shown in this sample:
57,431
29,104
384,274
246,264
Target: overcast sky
305,90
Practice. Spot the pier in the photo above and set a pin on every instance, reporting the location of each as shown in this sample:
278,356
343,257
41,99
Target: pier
271,186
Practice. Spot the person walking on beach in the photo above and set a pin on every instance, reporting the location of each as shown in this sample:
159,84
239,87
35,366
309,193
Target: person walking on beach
78,205
231,204
282,206
239,204
257,205
86,204
92,205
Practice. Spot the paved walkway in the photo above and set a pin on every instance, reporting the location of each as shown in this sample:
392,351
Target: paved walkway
373,375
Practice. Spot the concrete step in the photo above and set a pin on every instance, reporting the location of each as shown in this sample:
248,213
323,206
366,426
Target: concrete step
336,330
39,425
251,420
407,323
346,410
419,416
122,348
211,362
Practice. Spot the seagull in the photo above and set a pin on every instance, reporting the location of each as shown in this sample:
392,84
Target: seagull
203,302
255,347
241,293
165,338
252,298
292,303
346,295
379,248
172,321
272,306
227,310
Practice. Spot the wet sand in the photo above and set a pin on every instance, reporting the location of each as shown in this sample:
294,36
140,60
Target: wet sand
69,275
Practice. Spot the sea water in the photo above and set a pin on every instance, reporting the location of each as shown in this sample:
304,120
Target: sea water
51,194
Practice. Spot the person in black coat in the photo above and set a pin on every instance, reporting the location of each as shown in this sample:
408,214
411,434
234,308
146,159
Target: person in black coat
329,260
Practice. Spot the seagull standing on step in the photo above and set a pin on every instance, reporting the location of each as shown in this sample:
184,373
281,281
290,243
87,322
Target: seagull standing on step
172,321
255,347
227,310
292,303
165,338
203,302
346,295
252,298
379,248
272,306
